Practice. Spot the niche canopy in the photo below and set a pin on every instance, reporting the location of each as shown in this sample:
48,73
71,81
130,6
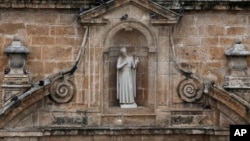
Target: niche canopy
158,14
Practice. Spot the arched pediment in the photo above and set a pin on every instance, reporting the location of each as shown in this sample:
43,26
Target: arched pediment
156,14
132,25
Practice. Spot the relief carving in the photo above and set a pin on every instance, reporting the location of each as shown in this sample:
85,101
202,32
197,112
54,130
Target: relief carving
67,120
62,90
190,89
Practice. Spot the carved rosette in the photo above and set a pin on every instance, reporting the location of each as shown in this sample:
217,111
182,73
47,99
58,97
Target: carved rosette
62,91
190,90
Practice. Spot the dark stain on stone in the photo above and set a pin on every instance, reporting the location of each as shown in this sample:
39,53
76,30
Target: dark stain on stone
182,119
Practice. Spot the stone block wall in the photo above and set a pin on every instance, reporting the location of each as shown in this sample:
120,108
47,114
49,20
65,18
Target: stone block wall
53,37
202,37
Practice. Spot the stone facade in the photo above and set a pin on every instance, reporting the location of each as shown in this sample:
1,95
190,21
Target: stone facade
173,46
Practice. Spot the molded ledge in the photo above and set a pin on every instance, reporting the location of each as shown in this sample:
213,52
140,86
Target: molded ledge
88,4
117,131
94,22
163,22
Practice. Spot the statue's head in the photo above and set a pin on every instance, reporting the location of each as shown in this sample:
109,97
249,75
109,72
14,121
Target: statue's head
123,51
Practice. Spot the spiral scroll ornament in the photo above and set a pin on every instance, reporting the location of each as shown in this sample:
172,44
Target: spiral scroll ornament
190,90
62,91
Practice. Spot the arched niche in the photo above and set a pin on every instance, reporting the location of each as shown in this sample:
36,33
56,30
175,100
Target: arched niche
139,42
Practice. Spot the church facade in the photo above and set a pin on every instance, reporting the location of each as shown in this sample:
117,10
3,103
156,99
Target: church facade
60,75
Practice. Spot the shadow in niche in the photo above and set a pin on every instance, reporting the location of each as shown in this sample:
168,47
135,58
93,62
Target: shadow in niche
136,45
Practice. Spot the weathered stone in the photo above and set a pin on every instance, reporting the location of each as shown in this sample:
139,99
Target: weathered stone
217,53
208,19
43,40
65,41
163,31
210,42
211,30
67,19
1,40
37,30
10,28
49,67
54,38
46,18
18,16
36,67
62,30
226,41
188,20
162,82
236,19
235,30
182,120
186,31
187,41
161,94
187,53
65,120
36,53
56,53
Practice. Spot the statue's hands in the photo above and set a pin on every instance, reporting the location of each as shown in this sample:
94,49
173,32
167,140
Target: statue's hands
125,62
136,60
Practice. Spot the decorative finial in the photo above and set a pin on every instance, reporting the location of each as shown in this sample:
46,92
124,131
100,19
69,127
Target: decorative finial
238,41
16,38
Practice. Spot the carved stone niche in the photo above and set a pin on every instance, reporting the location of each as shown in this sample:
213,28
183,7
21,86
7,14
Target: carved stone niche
135,38
132,24
16,79
238,77
141,74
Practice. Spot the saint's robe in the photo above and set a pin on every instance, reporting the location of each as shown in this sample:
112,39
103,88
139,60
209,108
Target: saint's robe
126,80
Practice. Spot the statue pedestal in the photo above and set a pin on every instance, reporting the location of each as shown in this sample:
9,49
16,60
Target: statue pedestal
15,80
238,77
234,82
134,105
14,85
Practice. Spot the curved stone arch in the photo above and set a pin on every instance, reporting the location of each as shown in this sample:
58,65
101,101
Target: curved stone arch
147,54
7,118
230,106
134,24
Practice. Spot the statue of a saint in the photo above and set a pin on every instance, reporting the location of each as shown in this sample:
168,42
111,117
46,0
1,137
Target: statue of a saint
126,79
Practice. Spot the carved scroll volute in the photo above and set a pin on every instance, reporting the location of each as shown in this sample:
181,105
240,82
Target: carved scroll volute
190,90
62,90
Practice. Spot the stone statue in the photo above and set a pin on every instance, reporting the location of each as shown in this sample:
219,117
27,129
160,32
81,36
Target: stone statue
126,79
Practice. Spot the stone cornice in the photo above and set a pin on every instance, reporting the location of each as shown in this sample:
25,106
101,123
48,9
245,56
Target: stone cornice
116,131
170,4
205,4
48,4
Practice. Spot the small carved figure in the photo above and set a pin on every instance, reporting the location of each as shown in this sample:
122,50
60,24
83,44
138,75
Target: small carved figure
126,79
